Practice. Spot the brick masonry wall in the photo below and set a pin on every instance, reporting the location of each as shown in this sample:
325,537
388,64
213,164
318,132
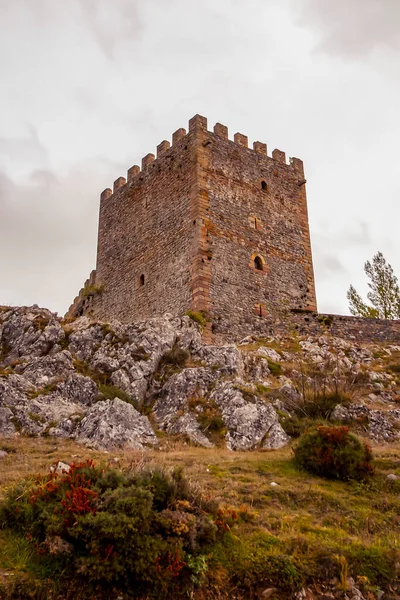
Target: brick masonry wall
254,206
147,229
358,329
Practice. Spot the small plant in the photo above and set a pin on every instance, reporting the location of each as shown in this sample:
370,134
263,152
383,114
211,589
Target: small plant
325,320
172,362
212,423
274,367
334,453
140,354
295,426
263,389
321,404
198,317
44,391
343,572
92,290
40,322
176,357
109,392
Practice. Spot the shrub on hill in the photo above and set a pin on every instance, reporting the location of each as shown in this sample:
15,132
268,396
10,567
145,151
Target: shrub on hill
334,453
141,531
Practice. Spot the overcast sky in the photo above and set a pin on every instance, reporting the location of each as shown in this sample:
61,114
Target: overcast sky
88,87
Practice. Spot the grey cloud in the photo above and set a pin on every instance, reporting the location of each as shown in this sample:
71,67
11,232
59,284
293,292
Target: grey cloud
331,263
359,234
48,231
352,27
23,149
111,22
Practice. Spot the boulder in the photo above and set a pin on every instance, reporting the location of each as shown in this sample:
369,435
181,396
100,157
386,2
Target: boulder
114,423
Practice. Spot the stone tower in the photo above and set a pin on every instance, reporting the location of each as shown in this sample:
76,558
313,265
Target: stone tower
208,225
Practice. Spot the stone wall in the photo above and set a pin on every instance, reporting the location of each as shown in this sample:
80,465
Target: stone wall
358,329
147,233
256,235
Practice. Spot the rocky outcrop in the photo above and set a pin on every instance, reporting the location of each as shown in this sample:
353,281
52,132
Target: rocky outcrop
111,385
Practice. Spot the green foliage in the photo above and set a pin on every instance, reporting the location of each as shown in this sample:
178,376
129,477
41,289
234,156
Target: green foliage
334,453
296,426
321,404
263,389
274,367
325,320
141,530
92,290
175,357
172,362
44,391
109,392
384,294
84,369
254,565
198,317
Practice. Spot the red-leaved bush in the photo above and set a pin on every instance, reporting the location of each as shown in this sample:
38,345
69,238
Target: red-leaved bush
335,453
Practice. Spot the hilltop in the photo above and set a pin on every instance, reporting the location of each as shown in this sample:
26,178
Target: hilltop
153,395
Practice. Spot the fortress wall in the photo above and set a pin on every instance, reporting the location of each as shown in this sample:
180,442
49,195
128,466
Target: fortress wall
146,236
256,208
357,329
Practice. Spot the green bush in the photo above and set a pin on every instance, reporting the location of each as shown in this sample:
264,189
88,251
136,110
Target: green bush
296,426
175,357
334,453
109,392
198,317
141,531
321,404
274,367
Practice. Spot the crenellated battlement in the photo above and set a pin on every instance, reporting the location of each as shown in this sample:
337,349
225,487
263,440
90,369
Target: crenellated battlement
199,123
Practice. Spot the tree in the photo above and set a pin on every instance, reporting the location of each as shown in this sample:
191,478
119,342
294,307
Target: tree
384,294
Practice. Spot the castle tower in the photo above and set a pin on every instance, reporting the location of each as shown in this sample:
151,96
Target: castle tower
208,225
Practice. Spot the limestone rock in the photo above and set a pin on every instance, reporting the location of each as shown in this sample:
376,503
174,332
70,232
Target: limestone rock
53,374
7,428
115,424
249,423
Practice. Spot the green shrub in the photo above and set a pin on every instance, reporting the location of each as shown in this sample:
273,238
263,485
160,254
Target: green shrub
109,392
198,317
175,357
321,404
172,362
141,531
253,566
296,426
92,290
274,367
333,452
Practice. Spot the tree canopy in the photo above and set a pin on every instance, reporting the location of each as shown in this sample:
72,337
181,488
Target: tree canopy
384,294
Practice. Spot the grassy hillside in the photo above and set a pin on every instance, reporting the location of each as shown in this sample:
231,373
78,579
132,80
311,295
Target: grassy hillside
294,531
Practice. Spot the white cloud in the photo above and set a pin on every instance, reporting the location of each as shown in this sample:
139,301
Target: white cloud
89,87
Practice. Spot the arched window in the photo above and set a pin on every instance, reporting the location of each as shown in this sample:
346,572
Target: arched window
264,186
141,280
258,265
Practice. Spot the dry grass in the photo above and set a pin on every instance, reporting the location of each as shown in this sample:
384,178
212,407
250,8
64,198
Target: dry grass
309,519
